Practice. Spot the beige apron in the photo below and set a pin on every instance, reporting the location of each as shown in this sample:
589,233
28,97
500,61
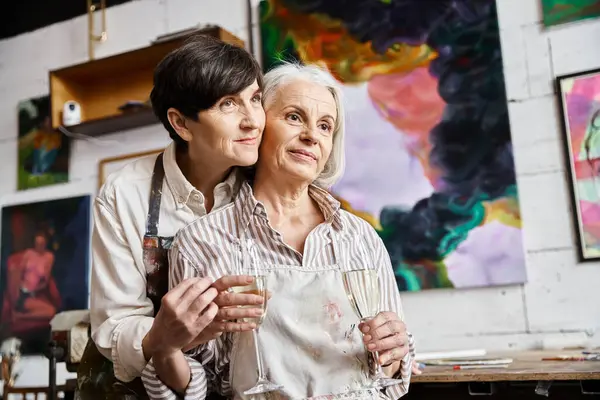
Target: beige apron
309,341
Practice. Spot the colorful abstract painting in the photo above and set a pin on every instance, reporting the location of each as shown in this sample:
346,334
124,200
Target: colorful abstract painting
428,144
556,12
45,263
580,101
43,152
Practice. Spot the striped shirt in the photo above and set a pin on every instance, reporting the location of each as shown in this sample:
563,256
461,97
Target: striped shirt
210,246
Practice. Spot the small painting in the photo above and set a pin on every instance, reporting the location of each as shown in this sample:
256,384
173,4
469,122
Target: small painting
43,152
580,110
109,165
556,12
44,267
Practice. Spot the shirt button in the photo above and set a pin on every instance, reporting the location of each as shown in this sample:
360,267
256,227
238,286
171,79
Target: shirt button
181,199
197,196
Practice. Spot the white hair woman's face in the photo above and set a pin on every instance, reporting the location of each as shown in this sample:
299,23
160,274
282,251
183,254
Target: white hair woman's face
298,137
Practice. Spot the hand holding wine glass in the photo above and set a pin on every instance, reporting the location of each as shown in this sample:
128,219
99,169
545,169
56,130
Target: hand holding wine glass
386,334
235,310
362,288
258,286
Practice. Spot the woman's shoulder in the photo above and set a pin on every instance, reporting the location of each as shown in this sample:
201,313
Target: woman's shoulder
357,230
131,175
128,188
217,228
356,225
358,233
221,220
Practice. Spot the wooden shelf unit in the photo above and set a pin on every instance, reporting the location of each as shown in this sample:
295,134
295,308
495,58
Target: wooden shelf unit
101,86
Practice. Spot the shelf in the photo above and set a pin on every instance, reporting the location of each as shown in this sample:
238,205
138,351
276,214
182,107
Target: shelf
101,86
114,123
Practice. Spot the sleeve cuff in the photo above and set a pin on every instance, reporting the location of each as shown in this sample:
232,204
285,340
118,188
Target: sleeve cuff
157,390
404,373
127,353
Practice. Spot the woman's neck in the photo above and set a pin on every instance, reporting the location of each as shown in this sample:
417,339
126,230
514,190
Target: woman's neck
281,198
204,176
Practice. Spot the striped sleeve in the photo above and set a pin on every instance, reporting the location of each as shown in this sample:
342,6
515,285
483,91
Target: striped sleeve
214,355
411,345
213,255
390,301
179,270
157,390
405,371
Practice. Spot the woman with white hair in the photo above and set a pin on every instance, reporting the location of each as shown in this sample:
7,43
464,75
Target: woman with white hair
291,234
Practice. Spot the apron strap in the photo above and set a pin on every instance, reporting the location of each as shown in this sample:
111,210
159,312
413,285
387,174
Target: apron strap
155,197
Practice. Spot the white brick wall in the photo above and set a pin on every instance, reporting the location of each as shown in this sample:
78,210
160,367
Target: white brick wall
559,300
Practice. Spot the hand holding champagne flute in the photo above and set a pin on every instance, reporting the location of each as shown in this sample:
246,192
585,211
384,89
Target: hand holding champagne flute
258,286
362,289
233,309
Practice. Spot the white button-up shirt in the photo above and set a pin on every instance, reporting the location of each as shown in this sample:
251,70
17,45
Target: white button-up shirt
121,314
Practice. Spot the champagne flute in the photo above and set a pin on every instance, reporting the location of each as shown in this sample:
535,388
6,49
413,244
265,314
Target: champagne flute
362,289
258,287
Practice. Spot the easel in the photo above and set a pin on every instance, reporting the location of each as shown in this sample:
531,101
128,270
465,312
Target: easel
53,353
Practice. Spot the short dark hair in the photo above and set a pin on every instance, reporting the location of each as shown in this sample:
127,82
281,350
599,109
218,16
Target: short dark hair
193,77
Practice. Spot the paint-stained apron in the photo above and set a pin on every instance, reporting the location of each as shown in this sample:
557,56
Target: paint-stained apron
309,340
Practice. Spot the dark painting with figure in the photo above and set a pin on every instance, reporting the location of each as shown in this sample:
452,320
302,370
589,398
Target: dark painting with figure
428,143
43,151
45,262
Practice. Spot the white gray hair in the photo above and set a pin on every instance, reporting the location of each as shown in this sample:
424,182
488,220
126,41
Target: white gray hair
287,72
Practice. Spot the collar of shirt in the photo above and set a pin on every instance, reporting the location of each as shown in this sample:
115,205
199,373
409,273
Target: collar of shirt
182,189
247,205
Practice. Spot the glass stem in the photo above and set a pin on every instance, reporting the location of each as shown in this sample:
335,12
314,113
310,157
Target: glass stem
378,368
259,363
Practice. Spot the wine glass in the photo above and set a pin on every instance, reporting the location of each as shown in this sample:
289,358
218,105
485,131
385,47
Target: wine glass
362,289
258,287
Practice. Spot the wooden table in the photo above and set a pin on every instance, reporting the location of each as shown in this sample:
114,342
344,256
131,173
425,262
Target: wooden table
528,377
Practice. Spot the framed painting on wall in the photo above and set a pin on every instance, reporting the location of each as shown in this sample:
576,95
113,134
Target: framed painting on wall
112,164
429,161
579,97
44,267
43,157
556,12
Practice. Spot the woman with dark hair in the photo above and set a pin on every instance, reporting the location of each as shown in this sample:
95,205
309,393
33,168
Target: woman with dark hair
207,95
